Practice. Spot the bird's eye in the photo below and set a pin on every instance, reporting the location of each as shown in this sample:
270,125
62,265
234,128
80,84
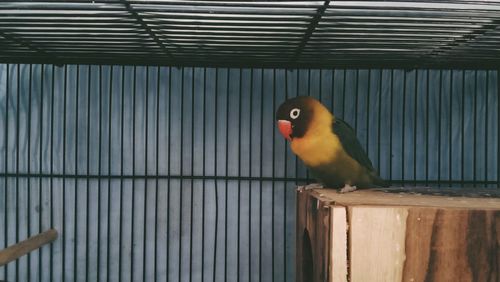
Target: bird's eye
295,113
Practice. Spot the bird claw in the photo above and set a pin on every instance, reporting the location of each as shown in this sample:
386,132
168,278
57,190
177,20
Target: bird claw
347,188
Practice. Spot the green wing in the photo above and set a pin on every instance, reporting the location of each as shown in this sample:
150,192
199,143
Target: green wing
350,143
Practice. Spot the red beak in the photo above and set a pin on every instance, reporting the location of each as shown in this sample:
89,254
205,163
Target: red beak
285,128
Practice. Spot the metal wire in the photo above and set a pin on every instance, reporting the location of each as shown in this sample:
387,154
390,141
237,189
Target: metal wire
253,33
40,164
126,123
216,190
6,222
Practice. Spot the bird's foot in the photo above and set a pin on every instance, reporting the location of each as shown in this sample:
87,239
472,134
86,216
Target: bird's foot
312,186
347,188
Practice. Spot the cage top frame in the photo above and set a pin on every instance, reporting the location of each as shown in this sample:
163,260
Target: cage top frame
323,34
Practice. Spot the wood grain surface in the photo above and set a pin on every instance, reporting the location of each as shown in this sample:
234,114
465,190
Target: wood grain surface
338,244
452,245
376,243
375,236
313,217
20,249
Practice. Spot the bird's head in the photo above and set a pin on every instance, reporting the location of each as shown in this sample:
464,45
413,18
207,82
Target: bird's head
295,115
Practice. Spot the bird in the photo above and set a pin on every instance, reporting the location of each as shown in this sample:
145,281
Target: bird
327,145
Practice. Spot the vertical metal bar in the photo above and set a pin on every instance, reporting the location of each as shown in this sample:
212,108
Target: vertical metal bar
391,98
122,152
403,131
320,90
261,168
498,126
439,127
239,181
99,168
192,181
87,202
144,221
75,203
273,175
110,111
308,94
379,116
216,190
343,93
297,94
285,185
65,93
169,164
17,159
226,173
449,131
415,109
428,111
486,106
52,171
462,114
367,113
29,166
204,174
40,152
132,252
356,98
308,82
332,94
157,171
474,134
6,140
181,170
250,182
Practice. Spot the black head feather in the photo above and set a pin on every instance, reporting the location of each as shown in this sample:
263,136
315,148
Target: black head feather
299,111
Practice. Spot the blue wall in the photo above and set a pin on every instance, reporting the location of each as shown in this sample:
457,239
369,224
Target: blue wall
124,161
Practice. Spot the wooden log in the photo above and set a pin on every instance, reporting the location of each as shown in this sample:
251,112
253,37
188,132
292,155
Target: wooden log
312,213
20,249
372,235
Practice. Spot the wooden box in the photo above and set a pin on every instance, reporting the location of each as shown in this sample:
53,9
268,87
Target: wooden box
396,235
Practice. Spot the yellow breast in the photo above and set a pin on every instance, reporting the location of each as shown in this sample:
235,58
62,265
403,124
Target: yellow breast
319,145
317,150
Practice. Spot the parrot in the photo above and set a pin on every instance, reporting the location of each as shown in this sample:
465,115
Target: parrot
327,145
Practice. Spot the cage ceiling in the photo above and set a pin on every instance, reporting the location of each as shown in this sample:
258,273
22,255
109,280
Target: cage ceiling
253,33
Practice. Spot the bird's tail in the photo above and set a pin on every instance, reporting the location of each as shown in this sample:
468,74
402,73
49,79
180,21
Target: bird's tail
379,181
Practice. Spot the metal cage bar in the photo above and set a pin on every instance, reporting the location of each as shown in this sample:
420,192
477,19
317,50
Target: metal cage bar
145,170
443,34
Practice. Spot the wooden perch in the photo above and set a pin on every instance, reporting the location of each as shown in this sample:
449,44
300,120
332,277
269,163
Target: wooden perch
20,249
399,235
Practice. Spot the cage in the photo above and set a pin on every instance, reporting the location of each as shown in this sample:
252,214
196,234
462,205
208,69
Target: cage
144,132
